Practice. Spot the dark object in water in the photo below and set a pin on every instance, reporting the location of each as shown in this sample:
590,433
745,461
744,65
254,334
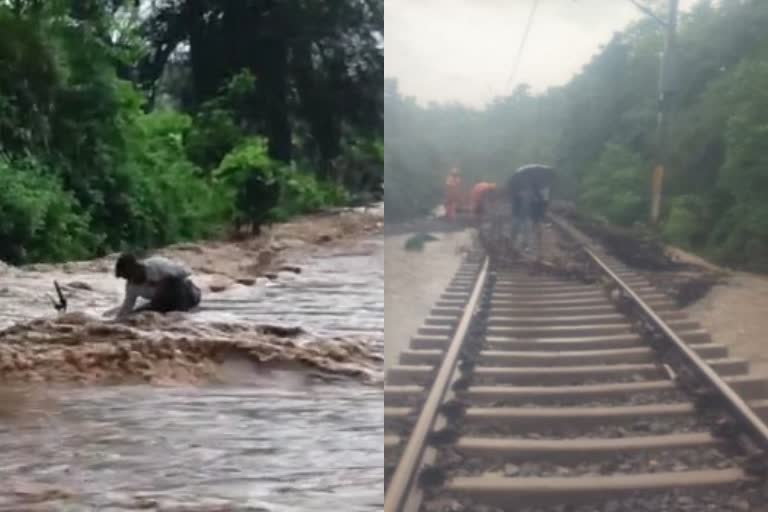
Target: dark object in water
417,241
282,331
60,306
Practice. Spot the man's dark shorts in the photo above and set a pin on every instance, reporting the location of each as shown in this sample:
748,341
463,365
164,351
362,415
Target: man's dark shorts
175,294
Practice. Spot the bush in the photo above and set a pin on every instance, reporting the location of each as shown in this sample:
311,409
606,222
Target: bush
39,220
687,220
299,191
740,237
170,199
216,130
212,136
302,192
360,167
616,187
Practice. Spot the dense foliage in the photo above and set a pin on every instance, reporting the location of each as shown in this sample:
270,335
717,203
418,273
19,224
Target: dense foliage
600,130
134,124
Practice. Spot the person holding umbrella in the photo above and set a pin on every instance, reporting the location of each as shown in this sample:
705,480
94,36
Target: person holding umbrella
529,189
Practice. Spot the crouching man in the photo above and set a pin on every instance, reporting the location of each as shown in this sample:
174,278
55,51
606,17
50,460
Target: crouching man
164,283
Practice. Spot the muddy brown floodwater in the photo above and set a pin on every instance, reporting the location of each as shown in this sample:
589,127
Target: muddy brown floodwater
205,411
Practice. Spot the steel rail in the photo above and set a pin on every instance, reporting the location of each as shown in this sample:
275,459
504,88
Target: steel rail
756,428
410,461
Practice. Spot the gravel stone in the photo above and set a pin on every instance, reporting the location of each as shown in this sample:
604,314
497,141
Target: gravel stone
664,397
640,428
456,464
752,497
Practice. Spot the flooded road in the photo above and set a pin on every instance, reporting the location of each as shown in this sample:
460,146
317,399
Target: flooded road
339,291
272,442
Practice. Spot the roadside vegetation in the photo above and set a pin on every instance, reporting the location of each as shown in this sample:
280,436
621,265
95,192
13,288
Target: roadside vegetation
136,124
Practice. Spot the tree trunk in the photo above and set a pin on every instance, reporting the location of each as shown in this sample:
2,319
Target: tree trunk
276,83
319,105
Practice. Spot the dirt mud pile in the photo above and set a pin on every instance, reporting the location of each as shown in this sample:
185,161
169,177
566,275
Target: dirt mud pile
636,247
157,349
684,281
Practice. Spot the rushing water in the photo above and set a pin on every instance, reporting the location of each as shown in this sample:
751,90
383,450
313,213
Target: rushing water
275,443
336,292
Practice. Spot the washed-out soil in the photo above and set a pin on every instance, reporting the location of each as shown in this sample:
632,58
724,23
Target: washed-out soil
684,280
165,349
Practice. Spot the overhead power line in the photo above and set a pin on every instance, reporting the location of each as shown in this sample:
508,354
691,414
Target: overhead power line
513,76
647,10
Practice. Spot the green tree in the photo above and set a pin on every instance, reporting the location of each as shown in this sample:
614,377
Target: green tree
95,160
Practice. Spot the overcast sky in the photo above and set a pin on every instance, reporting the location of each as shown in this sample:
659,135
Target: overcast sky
464,50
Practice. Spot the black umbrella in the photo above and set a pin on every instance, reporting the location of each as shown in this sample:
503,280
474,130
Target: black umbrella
535,174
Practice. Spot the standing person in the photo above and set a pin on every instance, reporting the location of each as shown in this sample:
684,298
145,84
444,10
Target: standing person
164,283
539,205
529,191
452,193
490,213
496,212
519,196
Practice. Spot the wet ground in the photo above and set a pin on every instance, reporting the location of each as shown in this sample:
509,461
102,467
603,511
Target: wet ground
415,281
734,314
271,441
334,293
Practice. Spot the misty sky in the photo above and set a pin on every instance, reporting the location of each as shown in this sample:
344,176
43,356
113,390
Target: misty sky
464,50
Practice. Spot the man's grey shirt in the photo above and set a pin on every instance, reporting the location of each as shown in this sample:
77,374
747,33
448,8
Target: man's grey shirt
157,268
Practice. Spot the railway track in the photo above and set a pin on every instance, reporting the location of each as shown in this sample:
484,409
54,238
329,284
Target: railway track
532,393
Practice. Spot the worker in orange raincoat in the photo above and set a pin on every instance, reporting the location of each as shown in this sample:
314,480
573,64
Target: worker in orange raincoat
452,193
480,196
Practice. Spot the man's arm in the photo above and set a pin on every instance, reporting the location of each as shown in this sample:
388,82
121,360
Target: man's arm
131,294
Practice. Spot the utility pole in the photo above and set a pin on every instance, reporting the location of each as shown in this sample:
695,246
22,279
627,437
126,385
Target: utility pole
538,131
668,85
